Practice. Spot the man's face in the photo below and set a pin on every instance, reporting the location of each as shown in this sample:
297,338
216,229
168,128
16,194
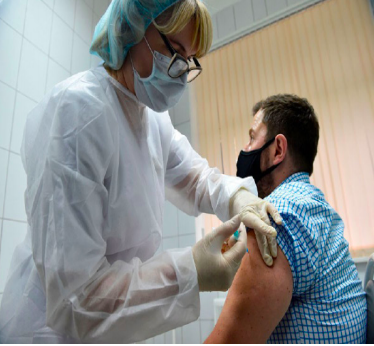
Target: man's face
257,133
257,139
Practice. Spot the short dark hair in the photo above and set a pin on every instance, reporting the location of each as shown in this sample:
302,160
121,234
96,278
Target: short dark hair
294,117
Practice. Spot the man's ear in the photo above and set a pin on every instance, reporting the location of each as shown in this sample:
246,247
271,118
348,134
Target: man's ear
280,149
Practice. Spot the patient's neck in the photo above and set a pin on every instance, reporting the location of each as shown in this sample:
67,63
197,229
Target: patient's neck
271,181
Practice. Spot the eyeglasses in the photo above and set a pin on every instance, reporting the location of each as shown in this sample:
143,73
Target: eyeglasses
179,65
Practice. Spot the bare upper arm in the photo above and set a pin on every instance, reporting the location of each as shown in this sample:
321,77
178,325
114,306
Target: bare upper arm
257,300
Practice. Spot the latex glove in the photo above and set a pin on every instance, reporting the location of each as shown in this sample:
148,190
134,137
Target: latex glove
253,213
216,271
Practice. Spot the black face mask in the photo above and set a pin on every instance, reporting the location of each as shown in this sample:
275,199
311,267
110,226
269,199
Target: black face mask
249,163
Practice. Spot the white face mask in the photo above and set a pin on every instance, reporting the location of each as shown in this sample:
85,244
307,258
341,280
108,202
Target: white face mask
159,91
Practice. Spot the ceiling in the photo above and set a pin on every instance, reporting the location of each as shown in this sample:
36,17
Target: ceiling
215,6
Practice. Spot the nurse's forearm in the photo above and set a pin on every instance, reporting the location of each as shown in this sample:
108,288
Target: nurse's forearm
163,293
111,291
206,190
194,187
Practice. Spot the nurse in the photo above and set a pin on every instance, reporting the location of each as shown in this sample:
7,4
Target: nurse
101,155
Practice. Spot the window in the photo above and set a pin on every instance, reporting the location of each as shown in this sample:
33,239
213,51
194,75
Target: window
326,54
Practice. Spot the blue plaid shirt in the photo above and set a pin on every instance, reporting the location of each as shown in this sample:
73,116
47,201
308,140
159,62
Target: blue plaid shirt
328,303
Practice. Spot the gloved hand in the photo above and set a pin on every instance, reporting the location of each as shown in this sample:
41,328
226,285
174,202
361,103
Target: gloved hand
216,271
253,213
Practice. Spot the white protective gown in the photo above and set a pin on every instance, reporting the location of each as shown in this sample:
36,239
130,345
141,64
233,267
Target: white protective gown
98,164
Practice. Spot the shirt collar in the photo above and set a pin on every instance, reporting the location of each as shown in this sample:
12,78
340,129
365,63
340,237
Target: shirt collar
302,177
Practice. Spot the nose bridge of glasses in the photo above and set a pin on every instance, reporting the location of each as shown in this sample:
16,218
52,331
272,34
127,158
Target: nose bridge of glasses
179,64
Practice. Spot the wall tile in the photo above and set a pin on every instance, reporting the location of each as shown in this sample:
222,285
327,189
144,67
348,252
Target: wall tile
9,62
169,337
100,7
81,59
95,61
23,107
33,72
226,22
170,220
15,189
185,129
186,223
56,74
187,240
243,14
13,234
259,9
191,333
66,10
83,22
275,6
89,3
207,305
215,28
7,96
61,43
206,328
159,339
174,339
293,2
3,170
13,12
49,3
170,243
171,115
38,24
178,335
95,20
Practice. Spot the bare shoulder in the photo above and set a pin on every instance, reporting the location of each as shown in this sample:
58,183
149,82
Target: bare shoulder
257,300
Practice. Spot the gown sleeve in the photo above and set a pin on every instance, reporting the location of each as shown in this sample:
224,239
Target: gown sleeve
194,187
87,297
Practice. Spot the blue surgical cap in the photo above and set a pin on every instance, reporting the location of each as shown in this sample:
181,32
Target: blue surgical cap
122,26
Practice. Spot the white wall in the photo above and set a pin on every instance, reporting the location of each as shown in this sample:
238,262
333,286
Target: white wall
42,43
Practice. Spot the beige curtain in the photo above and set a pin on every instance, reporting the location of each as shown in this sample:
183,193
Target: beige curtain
326,54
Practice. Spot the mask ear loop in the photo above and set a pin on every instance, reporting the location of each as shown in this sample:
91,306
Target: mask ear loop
269,170
132,64
146,41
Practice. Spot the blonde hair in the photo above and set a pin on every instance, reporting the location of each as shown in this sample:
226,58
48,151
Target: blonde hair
124,23
174,19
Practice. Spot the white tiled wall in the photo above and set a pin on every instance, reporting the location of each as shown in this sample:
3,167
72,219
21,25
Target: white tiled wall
42,43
